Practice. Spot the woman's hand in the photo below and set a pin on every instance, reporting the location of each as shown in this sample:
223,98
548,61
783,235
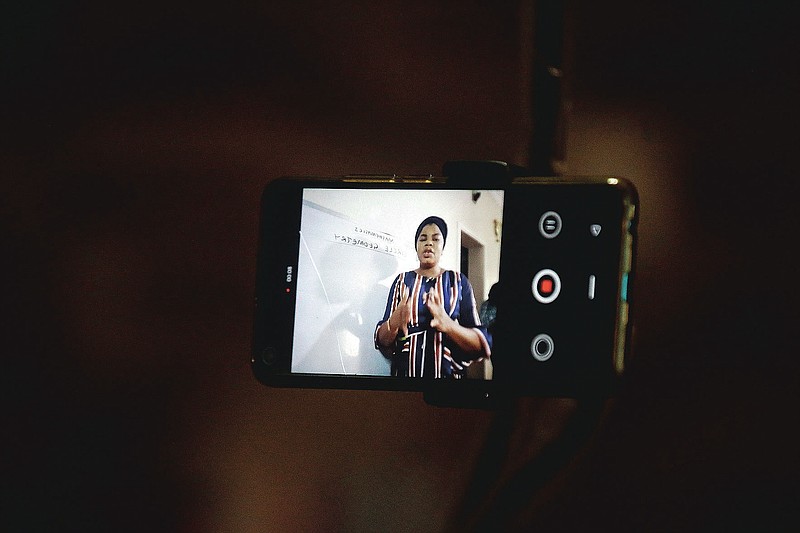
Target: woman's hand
401,317
467,339
396,323
440,320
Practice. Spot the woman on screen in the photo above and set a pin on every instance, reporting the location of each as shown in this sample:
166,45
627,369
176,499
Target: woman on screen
431,326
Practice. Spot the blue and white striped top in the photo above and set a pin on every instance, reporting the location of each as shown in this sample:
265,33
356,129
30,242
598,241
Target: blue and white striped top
426,352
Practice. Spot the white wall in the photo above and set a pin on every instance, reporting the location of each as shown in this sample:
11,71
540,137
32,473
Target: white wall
398,213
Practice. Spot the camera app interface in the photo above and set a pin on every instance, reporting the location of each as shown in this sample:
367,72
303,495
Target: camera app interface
397,282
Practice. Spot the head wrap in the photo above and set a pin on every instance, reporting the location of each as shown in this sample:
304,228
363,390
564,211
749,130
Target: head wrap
432,220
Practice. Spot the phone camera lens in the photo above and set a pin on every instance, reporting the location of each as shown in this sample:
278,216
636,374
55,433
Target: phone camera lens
268,356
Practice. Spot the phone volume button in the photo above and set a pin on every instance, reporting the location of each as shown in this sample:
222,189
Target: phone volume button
627,252
623,289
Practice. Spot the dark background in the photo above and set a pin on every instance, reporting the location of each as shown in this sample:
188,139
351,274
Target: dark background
136,139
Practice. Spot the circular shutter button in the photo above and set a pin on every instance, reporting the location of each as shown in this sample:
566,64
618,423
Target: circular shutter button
542,347
546,286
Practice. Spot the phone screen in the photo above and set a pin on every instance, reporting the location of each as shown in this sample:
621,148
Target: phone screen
389,285
358,260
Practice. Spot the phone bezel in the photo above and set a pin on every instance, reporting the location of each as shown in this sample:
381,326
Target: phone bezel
280,215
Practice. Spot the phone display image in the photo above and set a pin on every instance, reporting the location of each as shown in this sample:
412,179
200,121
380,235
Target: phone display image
385,287
384,283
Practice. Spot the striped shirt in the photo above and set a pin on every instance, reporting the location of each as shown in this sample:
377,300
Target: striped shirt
426,352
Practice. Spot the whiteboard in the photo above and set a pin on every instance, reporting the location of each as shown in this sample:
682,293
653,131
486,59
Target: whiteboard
341,293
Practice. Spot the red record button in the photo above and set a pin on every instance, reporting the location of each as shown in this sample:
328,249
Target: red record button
546,286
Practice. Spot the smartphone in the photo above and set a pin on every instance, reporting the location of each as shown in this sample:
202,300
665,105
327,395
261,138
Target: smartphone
453,288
